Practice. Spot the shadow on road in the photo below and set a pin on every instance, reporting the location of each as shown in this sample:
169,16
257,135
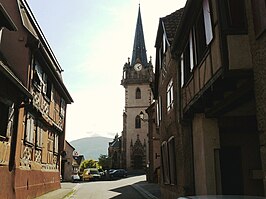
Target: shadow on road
126,192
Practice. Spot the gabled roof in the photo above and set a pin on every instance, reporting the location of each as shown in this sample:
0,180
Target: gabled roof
189,14
31,25
115,143
168,25
79,159
139,49
171,23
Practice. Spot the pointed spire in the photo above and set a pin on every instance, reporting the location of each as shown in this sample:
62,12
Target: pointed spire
139,49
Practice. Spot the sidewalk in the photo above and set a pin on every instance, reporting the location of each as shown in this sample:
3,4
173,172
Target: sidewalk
66,189
147,190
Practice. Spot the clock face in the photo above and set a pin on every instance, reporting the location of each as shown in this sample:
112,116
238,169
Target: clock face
137,66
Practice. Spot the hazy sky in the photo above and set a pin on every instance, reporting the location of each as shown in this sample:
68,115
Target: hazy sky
92,41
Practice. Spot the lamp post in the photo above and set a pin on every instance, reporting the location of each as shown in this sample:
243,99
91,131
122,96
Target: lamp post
141,115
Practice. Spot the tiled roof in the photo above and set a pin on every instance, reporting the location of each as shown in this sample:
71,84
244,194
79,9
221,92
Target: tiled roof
171,23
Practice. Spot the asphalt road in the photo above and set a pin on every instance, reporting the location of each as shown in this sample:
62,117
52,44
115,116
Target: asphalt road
115,189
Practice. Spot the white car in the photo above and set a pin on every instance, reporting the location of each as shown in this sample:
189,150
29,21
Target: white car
75,177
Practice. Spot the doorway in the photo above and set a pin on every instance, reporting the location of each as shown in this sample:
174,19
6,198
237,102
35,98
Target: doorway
231,171
137,162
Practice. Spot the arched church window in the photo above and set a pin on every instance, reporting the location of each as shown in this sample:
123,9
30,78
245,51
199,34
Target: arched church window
137,122
138,93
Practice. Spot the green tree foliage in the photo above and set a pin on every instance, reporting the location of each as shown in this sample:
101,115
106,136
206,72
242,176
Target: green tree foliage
88,164
104,161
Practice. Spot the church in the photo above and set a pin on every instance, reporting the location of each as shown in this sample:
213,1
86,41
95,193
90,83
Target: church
137,80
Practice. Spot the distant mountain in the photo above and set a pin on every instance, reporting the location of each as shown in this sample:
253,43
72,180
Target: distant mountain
92,147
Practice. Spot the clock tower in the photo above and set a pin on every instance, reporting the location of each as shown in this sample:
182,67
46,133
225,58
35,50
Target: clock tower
137,78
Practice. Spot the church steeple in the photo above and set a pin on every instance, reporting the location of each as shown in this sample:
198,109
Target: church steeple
139,49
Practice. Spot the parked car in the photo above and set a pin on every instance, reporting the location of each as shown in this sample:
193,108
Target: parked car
118,173
91,174
75,177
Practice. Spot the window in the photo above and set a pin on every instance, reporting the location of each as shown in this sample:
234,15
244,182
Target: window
10,124
62,107
56,137
137,122
170,95
165,163
207,21
30,129
38,75
47,86
39,135
233,15
159,111
138,93
186,63
172,160
182,69
200,37
259,16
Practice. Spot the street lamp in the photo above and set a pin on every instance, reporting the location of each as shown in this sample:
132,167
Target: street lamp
141,115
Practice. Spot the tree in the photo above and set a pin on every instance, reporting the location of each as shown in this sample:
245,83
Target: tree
88,164
104,161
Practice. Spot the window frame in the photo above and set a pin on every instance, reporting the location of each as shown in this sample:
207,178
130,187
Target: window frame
30,129
137,122
39,135
227,18
170,95
56,143
138,93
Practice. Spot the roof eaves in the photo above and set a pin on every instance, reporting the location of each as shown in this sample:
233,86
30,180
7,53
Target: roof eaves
6,20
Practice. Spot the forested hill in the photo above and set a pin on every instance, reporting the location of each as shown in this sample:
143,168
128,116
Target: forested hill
91,147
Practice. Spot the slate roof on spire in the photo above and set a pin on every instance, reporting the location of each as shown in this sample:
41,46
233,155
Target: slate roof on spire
139,49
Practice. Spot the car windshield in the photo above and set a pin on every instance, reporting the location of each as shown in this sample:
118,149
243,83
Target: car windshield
94,172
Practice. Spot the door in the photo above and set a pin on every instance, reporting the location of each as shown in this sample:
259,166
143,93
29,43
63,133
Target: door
231,170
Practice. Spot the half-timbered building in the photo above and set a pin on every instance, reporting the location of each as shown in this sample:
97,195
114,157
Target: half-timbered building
218,123
33,106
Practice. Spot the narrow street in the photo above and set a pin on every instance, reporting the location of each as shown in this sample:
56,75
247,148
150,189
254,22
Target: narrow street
115,189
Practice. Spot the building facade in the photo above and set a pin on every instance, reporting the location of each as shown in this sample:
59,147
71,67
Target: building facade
114,152
68,164
212,132
154,151
137,76
33,106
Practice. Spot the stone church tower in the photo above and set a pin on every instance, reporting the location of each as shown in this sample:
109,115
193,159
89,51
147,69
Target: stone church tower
137,78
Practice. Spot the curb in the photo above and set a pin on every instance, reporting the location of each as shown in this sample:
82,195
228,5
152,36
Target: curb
72,192
143,192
